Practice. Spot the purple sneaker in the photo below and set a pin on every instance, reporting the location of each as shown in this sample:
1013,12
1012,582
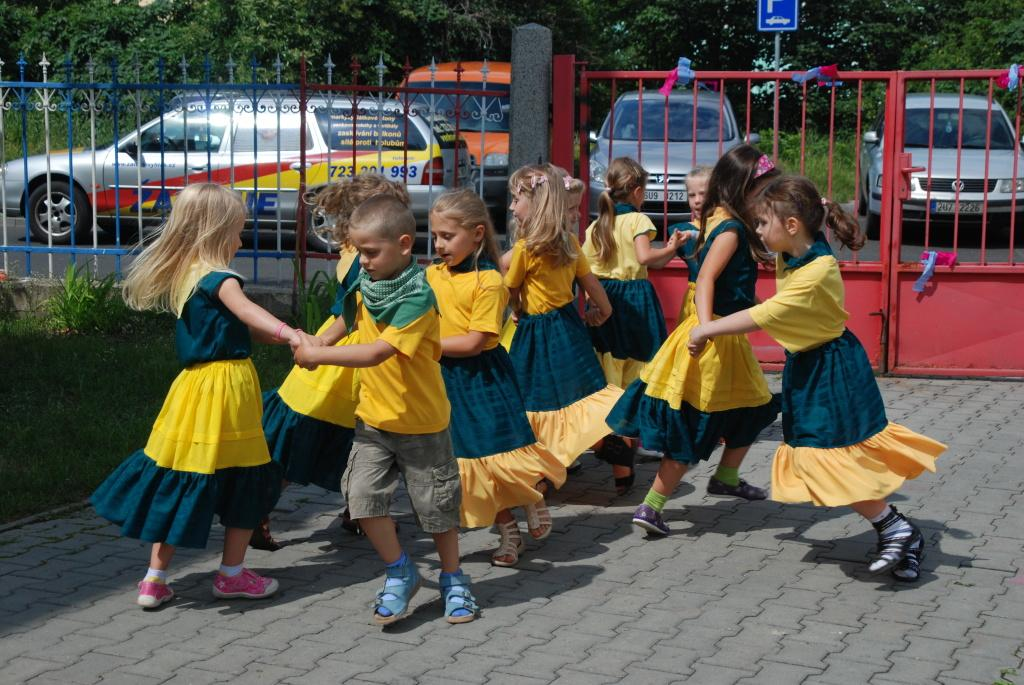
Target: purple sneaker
650,520
153,594
744,490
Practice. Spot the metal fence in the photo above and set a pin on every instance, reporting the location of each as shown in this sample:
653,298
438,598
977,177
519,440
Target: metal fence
93,155
931,161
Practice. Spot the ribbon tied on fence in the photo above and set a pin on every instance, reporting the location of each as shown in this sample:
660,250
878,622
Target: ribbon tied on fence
929,260
682,75
827,75
1011,78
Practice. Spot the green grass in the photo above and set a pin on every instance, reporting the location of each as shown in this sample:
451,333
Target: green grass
75,406
816,159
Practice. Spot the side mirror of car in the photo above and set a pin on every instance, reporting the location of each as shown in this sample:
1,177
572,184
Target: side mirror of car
871,137
131,148
593,136
753,138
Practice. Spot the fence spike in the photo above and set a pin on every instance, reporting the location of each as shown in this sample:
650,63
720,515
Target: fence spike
90,68
184,69
230,64
329,65
44,63
277,67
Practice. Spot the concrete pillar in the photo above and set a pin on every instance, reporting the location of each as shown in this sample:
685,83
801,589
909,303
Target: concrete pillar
530,96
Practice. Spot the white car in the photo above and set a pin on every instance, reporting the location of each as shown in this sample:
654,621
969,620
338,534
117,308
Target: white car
945,191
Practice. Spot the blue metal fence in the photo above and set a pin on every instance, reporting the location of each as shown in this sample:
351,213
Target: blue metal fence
92,155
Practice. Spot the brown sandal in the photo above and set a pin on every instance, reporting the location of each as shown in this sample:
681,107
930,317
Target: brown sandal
262,539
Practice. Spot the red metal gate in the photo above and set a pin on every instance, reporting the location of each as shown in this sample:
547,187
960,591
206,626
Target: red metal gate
824,131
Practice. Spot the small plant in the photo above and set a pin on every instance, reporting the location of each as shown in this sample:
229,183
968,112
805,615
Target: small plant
1004,676
315,300
86,305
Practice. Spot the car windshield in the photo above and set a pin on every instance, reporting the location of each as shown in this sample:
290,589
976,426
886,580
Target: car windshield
628,122
475,113
946,130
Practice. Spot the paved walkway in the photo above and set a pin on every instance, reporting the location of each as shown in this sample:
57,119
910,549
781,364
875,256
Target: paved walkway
753,593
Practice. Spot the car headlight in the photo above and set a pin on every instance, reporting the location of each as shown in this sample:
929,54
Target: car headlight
1006,185
496,159
597,171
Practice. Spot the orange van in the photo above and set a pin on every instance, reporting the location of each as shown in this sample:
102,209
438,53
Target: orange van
484,121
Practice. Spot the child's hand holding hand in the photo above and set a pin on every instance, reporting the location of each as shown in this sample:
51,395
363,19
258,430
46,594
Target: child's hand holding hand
595,317
698,340
305,355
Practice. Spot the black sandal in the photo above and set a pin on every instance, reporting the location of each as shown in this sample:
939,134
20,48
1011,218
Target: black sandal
624,484
352,525
262,539
909,570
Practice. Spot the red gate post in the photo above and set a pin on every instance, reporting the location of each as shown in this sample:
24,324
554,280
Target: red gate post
563,95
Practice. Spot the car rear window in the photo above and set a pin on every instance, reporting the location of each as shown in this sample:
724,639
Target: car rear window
367,128
475,113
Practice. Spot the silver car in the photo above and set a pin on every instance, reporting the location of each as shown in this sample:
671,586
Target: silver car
946,191
633,121
256,152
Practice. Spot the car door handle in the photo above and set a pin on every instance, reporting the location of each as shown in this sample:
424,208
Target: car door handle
295,166
198,168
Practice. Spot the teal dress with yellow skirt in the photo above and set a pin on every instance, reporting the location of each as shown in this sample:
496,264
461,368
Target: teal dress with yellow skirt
206,454
683,406
839,447
500,460
310,420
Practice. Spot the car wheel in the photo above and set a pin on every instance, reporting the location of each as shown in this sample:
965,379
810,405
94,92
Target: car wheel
320,232
874,226
862,205
52,217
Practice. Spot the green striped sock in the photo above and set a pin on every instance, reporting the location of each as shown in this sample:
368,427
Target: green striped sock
728,475
655,500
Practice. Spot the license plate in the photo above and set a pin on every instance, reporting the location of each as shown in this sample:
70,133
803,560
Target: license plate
951,207
659,195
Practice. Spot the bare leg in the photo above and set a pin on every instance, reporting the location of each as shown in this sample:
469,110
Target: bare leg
670,472
870,508
236,540
381,532
732,457
160,556
448,549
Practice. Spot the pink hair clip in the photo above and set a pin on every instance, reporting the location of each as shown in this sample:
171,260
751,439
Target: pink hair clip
568,181
537,180
764,165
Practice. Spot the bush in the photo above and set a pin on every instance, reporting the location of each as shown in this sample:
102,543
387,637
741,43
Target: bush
315,300
85,305
816,159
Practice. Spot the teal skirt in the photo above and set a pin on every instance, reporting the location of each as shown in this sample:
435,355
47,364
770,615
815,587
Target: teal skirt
158,504
488,416
554,360
309,450
686,434
830,397
636,328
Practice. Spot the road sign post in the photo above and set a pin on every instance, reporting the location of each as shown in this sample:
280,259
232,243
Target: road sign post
777,16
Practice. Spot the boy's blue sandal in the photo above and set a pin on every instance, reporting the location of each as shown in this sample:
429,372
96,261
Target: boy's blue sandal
392,602
459,604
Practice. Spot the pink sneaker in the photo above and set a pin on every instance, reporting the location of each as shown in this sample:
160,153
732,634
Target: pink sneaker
246,584
152,595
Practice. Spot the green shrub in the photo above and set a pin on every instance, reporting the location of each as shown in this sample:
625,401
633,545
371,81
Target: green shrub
315,300
86,305
816,159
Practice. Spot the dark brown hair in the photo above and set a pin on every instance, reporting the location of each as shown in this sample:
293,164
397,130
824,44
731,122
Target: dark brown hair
797,197
729,186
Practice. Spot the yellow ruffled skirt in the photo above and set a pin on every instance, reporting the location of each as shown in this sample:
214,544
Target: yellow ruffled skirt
210,419
724,376
570,431
328,393
870,470
503,481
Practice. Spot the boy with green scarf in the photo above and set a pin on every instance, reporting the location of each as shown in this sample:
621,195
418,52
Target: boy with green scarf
403,411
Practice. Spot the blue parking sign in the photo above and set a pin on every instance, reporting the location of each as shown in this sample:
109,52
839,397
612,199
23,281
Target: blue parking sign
777,15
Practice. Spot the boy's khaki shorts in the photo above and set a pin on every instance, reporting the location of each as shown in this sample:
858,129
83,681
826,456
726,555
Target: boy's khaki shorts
426,461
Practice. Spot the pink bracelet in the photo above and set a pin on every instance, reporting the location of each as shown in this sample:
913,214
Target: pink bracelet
277,334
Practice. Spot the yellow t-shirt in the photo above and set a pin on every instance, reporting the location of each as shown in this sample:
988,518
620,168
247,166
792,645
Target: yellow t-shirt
470,301
544,286
405,393
623,266
807,309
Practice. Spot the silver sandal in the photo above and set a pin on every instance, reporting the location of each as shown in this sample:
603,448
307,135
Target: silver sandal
510,544
538,515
